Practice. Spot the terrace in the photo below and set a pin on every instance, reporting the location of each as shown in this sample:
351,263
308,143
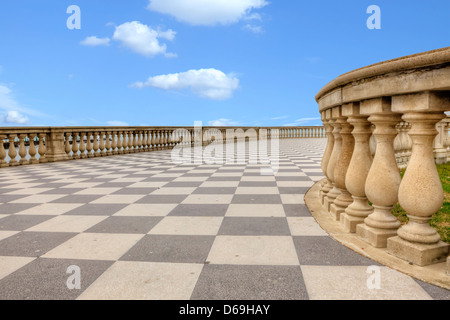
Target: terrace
237,213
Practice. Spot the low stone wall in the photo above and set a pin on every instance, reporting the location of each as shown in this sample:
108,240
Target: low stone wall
52,144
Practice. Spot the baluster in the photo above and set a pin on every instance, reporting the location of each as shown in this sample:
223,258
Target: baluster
114,137
82,146
327,155
120,139
130,142
22,149
3,163
344,199
67,146
96,146
42,149
75,154
12,152
357,172
102,144
89,146
420,193
383,179
108,151
334,192
32,149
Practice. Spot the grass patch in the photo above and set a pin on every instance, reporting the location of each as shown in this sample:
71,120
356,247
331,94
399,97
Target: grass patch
441,219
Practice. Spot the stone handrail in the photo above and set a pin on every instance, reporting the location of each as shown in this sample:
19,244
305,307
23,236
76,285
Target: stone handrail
377,119
49,144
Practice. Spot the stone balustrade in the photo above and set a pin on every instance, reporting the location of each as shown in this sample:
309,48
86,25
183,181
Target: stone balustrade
32,145
378,119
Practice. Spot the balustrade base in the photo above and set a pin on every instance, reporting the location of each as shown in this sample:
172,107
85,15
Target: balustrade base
322,196
336,211
350,222
375,237
417,253
448,266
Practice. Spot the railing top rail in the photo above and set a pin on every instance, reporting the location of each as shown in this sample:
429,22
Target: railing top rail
434,59
128,128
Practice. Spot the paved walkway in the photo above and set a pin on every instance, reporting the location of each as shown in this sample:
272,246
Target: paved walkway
139,226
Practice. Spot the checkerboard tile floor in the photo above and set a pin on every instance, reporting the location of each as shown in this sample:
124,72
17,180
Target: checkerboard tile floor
139,226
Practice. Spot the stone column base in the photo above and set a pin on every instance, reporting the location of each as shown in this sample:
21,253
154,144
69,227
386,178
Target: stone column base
336,211
350,222
327,203
448,265
375,237
418,253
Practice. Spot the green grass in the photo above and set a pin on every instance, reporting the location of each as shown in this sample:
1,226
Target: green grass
441,219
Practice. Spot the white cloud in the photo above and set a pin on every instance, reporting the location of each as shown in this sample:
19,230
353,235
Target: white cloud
302,121
14,117
117,124
207,12
253,28
142,39
11,111
94,41
206,83
222,123
280,118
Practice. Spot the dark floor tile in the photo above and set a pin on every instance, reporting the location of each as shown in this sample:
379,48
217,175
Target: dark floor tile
162,199
171,248
77,198
323,250
32,244
11,208
293,190
96,209
254,226
141,225
214,190
46,279
256,199
233,282
135,191
214,210
296,210
19,222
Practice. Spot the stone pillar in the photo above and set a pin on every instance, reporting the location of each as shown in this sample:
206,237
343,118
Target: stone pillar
420,193
334,192
327,154
55,145
357,172
383,179
348,142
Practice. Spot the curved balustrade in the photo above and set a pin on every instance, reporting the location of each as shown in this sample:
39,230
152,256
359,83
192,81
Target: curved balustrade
378,119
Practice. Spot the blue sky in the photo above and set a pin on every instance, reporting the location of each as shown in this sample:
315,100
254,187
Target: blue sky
173,62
